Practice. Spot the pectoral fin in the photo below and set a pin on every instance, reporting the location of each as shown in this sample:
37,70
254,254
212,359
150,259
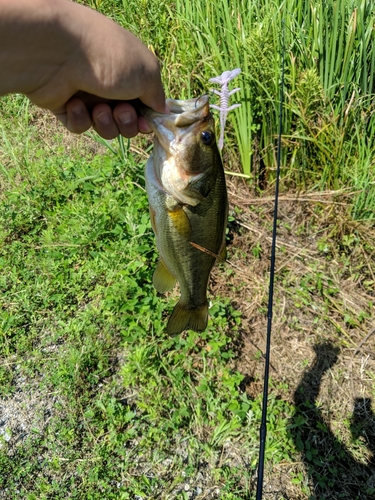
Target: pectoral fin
180,221
163,280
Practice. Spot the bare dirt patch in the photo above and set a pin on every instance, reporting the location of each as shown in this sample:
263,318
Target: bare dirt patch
51,131
25,414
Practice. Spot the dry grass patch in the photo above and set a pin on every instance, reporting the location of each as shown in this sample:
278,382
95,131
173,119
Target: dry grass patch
323,335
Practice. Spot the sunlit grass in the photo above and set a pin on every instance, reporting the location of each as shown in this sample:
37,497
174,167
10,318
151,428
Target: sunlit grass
82,331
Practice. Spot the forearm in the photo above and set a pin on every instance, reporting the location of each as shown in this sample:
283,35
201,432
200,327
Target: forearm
33,42
51,49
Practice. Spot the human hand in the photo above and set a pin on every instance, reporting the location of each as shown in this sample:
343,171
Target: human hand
78,64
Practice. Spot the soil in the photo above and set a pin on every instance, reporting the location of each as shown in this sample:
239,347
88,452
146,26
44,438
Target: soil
323,330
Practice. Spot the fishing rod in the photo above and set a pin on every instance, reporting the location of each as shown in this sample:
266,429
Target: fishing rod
263,426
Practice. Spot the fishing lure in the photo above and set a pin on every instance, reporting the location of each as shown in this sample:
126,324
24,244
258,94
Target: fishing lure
224,93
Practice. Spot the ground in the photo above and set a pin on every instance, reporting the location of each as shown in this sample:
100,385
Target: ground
323,331
322,345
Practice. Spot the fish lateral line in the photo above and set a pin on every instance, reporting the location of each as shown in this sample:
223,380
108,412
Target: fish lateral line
205,250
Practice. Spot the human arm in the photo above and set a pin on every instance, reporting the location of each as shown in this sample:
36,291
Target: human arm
52,49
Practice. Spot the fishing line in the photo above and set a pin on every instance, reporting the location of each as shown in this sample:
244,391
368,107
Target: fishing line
263,426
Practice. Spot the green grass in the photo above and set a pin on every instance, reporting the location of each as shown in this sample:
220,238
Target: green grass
134,412
111,407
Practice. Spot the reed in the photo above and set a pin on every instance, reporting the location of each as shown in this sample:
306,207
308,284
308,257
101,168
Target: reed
329,56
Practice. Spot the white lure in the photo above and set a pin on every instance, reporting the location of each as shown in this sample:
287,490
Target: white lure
224,93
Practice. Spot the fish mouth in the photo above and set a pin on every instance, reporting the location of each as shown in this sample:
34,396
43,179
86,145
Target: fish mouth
189,111
183,115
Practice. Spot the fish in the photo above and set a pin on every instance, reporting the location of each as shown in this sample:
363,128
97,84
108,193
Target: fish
188,202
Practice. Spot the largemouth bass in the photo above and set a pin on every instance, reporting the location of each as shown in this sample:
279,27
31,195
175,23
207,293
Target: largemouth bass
187,195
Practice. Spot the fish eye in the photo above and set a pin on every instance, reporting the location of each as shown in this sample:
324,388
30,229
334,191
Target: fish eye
207,137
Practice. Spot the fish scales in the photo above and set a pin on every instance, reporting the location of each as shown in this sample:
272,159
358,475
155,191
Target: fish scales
187,194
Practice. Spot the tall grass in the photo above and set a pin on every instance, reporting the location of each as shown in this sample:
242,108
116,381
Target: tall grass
330,68
330,54
219,31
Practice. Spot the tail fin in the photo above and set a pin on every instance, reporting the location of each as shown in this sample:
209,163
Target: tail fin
187,319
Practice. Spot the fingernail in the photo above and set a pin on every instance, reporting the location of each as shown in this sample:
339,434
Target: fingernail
125,117
103,118
76,109
143,126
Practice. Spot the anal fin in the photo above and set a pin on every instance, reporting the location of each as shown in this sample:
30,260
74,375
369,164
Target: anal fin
163,280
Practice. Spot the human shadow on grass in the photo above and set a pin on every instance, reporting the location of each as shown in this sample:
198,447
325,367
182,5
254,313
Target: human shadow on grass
333,471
